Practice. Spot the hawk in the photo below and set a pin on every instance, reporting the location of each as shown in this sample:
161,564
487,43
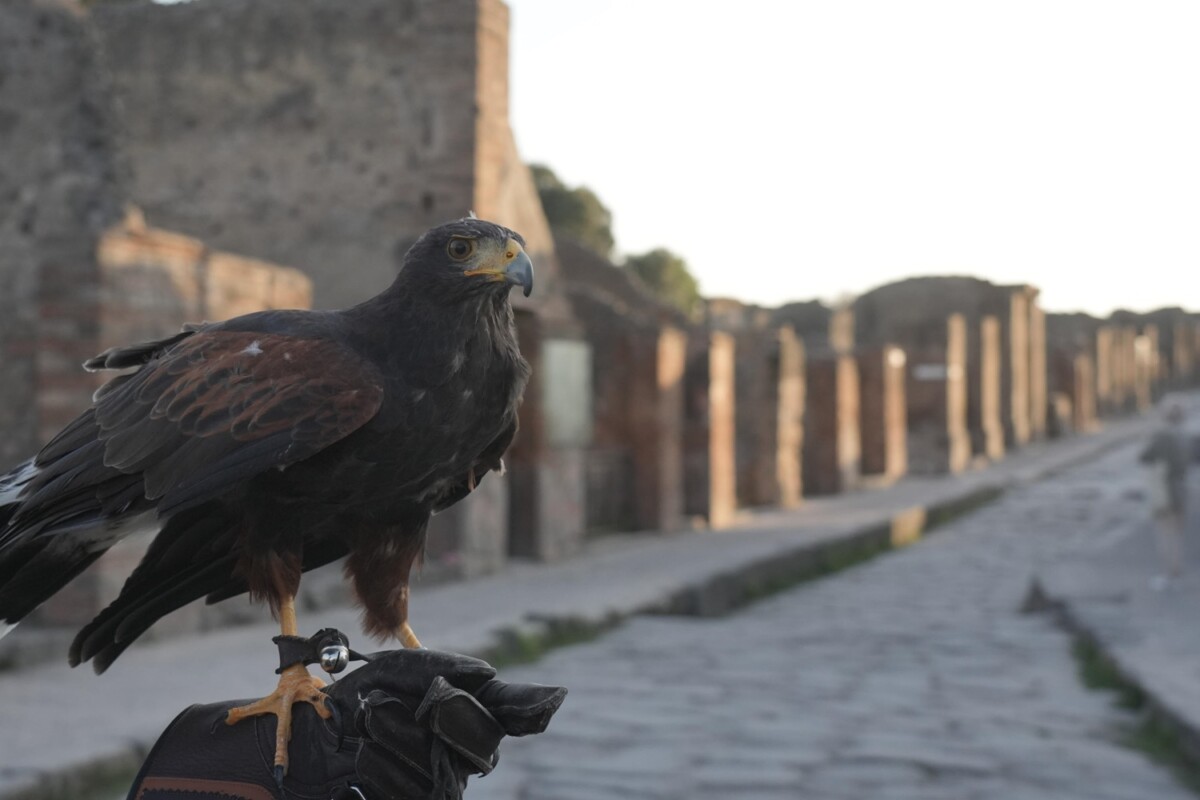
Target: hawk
275,443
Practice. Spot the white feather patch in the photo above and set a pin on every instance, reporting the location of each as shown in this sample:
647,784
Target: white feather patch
5,628
14,482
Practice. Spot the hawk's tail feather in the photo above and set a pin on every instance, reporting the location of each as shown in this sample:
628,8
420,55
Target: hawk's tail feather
34,570
121,623
192,556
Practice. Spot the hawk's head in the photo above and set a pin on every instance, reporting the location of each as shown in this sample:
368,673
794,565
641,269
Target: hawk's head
469,256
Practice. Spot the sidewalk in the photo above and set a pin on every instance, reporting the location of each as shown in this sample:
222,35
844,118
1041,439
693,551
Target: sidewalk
60,728
1150,635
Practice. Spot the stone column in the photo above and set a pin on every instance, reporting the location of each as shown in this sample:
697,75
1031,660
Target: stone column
1105,364
938,441
656,422
1182,355
769,416
1146,367
884,415
1125,367
710,471
546,463
1037,368
832,447
1014,366
789,444
1083,398
983,390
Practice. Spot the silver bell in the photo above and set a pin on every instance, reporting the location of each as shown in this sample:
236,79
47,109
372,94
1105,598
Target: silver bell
334,658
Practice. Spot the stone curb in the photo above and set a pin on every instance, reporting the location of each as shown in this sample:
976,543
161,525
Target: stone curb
1158,705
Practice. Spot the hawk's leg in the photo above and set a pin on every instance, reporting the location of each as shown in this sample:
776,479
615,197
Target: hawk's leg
407,637
295,686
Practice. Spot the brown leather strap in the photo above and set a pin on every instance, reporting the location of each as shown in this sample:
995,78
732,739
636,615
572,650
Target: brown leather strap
198,789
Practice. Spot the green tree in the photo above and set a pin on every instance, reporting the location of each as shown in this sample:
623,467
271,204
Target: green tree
668,276
574,212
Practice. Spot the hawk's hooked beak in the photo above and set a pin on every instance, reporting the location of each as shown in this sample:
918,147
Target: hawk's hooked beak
511,265
519,271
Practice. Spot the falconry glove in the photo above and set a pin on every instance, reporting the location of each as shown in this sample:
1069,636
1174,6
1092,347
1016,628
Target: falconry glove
409,725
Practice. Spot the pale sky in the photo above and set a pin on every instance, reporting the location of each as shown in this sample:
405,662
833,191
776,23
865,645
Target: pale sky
791,150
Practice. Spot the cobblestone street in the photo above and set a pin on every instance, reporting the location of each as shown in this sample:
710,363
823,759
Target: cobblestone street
913,676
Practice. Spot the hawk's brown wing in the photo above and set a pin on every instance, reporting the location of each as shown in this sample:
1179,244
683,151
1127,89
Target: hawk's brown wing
222,406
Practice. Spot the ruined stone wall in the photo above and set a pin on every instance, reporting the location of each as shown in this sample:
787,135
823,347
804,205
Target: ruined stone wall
824,329
153,280
325,134
59,188
149,282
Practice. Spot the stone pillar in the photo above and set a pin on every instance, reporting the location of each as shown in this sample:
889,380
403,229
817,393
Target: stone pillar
1037,368
1182,355
1083,396
883,413
789,444
983,390
710,450
938,441
1125,367
1073,377
769,416
832,446
1146,367
1014,366
1105,363
656,421
546,462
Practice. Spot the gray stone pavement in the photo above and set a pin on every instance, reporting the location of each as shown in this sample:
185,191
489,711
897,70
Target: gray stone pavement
112,718
1151,633
913,676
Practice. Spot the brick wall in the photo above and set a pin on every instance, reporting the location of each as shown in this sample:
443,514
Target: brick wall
150,281
321,134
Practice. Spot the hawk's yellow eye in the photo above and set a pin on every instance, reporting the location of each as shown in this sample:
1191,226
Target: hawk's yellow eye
460,249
